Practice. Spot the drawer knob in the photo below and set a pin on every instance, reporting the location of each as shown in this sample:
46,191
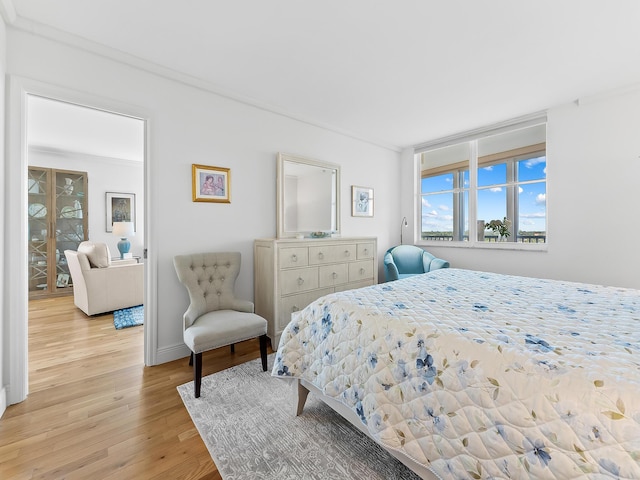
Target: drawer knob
335,275
347,253
362,271
366,251
320,255
300,280
295,308
294,258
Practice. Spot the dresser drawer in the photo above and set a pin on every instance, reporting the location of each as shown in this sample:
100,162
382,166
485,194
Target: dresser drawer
294,257
354,285
298,280
360,270
333,274
365,251
322,254
295,303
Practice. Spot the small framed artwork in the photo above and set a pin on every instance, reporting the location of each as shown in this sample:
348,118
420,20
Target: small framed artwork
362,201
211,184
121,207
62,280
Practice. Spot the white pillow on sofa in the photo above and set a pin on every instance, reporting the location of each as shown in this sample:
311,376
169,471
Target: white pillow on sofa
97,253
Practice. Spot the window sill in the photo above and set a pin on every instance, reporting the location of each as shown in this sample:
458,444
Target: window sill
527,247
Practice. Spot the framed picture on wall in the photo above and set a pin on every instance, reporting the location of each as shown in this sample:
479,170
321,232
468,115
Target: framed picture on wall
120,207
211,184
361,201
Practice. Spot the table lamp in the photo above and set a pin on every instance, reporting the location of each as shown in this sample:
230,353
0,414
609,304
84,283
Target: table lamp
123,230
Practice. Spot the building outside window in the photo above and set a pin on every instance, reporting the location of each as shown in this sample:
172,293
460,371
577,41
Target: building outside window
493,176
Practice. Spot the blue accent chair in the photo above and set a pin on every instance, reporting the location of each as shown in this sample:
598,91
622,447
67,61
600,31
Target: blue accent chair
407,260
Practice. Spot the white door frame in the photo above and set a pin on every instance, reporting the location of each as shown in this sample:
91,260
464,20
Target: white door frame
16,306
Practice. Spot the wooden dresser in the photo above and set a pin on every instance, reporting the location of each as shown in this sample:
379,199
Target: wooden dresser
289,274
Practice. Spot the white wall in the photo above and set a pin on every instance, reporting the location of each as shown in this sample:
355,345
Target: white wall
593,193
104,175
189,125
4,326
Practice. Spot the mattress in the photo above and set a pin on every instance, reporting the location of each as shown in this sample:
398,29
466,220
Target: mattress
481,375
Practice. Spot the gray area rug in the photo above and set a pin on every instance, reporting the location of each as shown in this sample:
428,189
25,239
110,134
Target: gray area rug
247,421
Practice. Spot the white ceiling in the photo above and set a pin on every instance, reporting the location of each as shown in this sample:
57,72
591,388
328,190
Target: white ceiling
394,72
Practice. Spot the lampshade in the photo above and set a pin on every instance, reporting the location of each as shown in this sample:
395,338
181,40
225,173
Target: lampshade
123,229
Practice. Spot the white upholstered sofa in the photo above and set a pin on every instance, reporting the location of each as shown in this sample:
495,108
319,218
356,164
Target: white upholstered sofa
101,285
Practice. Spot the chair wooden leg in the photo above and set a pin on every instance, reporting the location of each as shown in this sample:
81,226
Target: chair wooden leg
191,359
197,370
263,352
233,348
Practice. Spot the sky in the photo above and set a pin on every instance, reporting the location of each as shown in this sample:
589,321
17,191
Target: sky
437,209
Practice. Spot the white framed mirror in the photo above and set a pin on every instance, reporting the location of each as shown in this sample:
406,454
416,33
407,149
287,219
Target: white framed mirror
308,196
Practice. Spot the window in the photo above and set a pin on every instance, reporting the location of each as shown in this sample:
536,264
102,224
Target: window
493,176
445,193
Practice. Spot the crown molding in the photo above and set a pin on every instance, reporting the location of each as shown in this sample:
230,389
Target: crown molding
606,95
81,43
8,11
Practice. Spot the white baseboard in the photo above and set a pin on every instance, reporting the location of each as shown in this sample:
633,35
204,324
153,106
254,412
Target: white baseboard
3,401
171,353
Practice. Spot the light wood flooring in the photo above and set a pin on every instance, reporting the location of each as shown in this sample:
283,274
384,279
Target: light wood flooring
94,410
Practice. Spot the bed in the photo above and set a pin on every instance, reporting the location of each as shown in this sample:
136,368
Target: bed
465,374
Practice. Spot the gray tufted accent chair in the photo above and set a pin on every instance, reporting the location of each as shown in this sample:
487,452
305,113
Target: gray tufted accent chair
215,317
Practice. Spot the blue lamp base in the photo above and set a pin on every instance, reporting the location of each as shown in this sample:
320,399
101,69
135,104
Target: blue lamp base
123,247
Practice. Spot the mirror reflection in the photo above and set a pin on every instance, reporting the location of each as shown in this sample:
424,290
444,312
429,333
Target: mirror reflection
308,196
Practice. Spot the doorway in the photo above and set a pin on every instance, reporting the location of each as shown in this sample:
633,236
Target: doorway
16,305
99,154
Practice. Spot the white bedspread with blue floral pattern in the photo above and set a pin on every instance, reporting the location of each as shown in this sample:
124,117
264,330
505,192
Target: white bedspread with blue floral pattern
480,375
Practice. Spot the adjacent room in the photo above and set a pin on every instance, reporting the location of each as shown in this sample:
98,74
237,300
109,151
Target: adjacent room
344,239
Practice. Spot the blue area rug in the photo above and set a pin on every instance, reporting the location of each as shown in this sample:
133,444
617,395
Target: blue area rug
128,317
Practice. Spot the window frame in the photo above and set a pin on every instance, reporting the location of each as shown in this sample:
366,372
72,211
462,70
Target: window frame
457,191
511,158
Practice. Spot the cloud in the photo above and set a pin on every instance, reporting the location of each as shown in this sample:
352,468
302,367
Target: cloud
488,169
436,222
520,189
495,189
444,208
532,162
541,199
533,215
425,202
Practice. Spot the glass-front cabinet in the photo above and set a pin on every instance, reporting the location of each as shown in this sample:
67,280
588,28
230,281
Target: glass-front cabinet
57,218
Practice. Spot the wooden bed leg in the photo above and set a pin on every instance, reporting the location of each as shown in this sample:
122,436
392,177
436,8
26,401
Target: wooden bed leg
302,398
